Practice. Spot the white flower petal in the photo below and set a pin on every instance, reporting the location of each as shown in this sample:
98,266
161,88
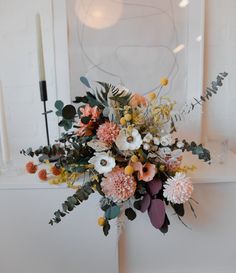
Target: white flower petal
156,141
123,144
178,189
97,159
148,138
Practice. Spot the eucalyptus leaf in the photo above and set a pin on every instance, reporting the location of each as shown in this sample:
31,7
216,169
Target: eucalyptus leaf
59,104
130,214
112,212
106,228
69,112
85,81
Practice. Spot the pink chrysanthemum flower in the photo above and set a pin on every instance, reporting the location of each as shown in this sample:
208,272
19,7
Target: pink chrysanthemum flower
108,132
119,186
178,189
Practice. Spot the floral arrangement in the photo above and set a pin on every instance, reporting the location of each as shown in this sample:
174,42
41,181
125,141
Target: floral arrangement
124,147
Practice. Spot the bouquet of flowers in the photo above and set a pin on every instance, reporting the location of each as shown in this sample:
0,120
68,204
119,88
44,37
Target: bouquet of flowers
124,147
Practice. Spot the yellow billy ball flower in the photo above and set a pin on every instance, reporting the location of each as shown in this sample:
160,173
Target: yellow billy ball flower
129,170
123,121
164,81
101,221
128,117
152,96
134,158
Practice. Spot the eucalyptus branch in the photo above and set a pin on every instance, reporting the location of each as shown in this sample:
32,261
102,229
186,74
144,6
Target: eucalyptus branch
209,92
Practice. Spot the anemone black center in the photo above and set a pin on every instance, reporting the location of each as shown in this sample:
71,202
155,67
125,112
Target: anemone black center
103,162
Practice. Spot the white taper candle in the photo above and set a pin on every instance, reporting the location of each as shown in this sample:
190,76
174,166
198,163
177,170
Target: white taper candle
5,149
40,48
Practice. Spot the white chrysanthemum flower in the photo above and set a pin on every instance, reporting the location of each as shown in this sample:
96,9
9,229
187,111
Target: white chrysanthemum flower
178,189
131,141
148,138
166,140
103,163
163,152
146,146
156,141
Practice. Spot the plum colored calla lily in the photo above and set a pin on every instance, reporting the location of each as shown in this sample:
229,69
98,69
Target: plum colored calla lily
155,207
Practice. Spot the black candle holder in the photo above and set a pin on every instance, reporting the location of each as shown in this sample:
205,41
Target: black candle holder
44,98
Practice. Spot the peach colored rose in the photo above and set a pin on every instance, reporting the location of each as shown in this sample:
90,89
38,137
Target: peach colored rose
138,100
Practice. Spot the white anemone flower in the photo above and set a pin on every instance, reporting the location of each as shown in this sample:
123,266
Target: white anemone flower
131,141
103,163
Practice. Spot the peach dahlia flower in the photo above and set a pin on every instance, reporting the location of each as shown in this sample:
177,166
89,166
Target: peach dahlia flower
117,185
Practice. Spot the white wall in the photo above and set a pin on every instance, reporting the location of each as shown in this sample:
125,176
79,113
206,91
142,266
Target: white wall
30,245
210,247
220,56
27,243
19,71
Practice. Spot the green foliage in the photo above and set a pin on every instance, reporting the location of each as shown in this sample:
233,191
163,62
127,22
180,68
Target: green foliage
112,212
179,209
88,98
210,91
130,214
59,106
106,227
137,205
53,150
68,112
66,124
199,150
69,205
85,120
85,81
120,96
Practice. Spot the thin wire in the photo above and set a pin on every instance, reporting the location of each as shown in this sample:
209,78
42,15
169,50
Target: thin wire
175,66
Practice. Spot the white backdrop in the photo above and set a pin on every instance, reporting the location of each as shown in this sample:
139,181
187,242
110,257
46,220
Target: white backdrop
28,244
149,40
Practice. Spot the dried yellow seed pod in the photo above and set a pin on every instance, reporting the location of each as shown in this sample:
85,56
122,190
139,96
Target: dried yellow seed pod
123,121
101,221
134,158
164,81
129,170
128,117
152,96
